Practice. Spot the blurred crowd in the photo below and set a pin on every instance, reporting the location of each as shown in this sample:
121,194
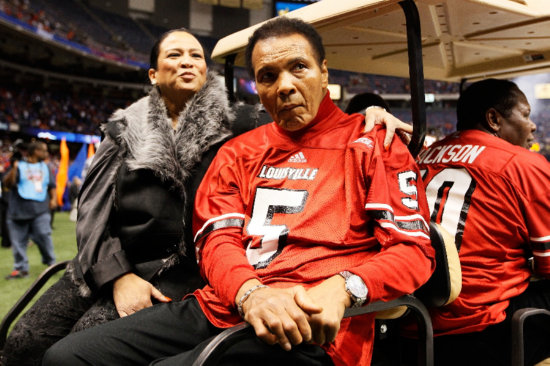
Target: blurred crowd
55,110
82,113
78,27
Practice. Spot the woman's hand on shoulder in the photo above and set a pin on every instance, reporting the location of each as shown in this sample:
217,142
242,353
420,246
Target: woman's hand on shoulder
379,116
132,293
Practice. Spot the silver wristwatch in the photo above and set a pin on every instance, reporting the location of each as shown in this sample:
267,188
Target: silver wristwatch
356,288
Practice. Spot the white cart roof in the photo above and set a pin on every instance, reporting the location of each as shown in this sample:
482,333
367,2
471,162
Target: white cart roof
460,38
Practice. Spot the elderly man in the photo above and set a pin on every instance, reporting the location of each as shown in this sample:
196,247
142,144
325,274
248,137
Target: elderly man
294,222
491,194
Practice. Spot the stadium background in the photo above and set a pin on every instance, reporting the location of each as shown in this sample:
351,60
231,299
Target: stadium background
66,65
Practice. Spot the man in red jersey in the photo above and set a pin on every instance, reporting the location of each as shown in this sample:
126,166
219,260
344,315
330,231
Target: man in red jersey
294,222
491,193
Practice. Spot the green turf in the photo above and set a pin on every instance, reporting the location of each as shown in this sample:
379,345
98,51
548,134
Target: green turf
64,240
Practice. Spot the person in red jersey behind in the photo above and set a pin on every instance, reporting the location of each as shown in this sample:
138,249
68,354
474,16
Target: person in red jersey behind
294,222
491,193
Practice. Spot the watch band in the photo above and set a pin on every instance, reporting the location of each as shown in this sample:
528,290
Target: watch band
356,288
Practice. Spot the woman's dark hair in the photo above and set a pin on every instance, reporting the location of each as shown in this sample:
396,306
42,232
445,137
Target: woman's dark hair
284,26
479,97
361,101
154,56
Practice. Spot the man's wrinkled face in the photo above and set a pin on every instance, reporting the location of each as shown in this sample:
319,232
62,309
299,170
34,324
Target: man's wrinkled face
290,82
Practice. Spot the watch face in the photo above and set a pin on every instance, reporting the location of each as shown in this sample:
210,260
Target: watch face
357,287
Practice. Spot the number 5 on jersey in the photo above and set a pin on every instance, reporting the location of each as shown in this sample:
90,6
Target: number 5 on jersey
267,203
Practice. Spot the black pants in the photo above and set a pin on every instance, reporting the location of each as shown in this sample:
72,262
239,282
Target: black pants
493,345
168,334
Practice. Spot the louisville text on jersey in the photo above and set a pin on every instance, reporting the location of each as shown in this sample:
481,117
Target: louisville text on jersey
271,172
450,153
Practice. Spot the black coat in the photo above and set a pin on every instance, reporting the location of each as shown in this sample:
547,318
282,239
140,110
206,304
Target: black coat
135,205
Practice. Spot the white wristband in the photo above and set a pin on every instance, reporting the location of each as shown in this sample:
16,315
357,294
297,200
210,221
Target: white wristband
245,297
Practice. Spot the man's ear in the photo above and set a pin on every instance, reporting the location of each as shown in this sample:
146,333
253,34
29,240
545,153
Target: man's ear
492,117
324,74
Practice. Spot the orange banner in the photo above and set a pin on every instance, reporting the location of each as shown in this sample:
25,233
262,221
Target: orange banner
91,150
62,172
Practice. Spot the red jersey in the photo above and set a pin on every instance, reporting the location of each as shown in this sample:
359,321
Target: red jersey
293,208
493,198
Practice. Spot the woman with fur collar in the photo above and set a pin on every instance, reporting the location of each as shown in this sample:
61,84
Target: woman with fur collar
134,245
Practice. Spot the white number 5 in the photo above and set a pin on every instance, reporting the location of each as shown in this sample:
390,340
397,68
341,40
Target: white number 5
267,202
405,179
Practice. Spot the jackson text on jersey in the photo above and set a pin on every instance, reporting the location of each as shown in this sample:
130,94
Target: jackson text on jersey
450,153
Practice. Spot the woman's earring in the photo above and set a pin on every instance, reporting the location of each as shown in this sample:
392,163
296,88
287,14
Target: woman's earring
153,82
